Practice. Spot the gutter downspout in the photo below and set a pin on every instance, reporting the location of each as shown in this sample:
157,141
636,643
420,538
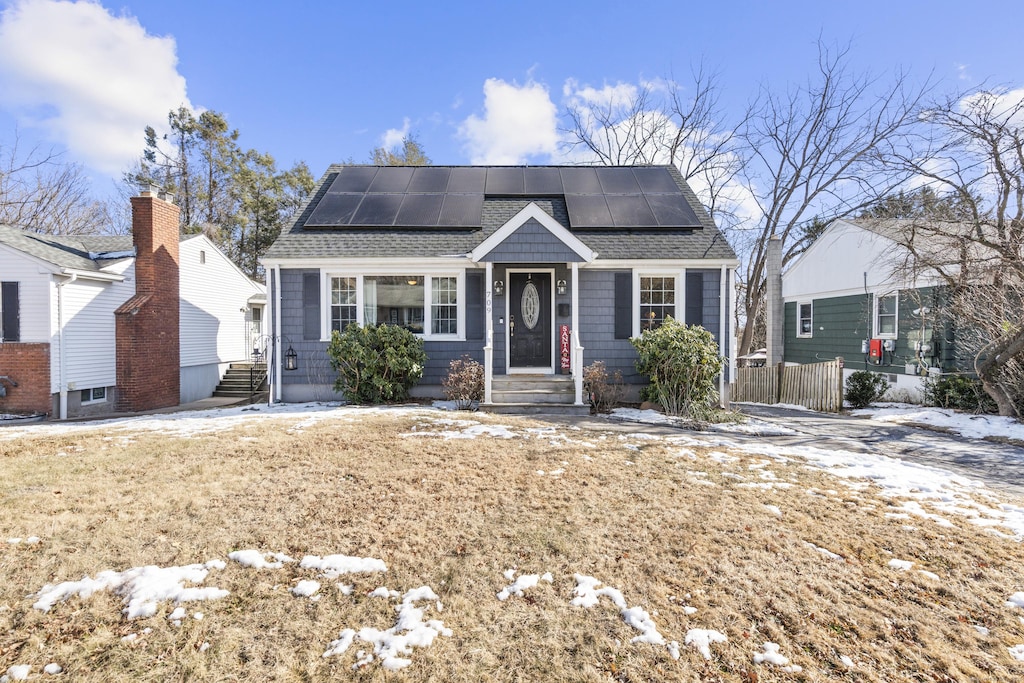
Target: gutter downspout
723,338
62,384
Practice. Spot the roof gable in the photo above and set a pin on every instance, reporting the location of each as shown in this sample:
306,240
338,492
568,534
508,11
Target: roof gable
533,215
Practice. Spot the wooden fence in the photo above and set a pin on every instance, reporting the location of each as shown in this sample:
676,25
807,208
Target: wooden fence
818,386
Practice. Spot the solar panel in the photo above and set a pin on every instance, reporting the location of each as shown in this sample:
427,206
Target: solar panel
501,181
378,209
656,180
581,180
392,179
420,210
467,180
630,211
429,179
672,211
353,179
587,211
461,210
334,209
542,181
618,180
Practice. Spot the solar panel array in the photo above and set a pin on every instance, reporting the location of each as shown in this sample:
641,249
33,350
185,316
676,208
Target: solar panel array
453,197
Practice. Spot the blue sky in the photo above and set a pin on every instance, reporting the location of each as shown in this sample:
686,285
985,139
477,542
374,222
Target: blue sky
475,81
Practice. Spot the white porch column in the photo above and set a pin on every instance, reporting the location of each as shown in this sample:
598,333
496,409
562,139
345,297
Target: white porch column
275,390
577,347
489,326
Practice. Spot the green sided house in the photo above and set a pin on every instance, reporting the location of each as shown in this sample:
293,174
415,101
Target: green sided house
535,272
853,294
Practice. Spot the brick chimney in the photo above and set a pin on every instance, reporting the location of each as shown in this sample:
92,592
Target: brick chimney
148,347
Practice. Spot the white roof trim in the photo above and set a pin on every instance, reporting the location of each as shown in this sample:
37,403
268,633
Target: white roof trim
550,224
92,275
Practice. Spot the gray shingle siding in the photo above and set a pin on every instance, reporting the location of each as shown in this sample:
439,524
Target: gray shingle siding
597,326
532,243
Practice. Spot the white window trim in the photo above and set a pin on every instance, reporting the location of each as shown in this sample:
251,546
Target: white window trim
799,329
896,316
428,284
680,294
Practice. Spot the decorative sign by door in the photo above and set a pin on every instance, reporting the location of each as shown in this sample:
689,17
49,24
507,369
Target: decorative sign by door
563,345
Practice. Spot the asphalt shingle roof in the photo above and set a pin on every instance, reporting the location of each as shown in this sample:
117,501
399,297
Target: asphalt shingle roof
301,242
65,251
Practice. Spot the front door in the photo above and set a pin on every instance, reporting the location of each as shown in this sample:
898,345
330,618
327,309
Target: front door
529,328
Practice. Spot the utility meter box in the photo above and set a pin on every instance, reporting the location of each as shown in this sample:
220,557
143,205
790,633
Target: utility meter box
875,349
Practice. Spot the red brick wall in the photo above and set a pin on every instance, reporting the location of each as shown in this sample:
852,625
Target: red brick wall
148,347
29,366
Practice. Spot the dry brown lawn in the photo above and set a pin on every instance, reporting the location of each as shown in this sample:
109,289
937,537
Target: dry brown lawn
670,527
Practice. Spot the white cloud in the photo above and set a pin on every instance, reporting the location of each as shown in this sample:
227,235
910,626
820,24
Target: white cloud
90,80
393,136
518,122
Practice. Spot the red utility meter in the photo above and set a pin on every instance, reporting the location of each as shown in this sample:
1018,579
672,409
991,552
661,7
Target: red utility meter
875,350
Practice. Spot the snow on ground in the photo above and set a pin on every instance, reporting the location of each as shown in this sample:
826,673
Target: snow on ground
770,655
968,426
588,594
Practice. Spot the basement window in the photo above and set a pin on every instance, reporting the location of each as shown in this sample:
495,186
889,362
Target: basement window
94,395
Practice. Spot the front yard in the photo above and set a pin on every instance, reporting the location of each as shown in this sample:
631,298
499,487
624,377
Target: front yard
314,544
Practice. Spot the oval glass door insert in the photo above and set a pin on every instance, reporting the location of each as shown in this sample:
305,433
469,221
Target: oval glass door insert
530,306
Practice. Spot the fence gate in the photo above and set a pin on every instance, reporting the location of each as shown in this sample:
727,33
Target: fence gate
818,386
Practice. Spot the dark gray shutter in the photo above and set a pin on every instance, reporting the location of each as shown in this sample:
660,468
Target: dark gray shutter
695,298
475,306
10,325
311,305
623,305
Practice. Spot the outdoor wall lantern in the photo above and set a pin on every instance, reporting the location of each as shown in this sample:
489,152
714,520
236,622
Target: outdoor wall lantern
499,287
560,286
291,359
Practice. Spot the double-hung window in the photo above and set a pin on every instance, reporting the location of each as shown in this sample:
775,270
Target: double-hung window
805,319
429,305
657,301
343,302
885,315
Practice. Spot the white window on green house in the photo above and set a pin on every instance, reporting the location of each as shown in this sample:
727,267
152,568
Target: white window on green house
343,302
444,309
885,315
805,319
657,301
394,300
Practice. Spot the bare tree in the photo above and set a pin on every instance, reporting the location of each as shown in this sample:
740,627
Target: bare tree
666,122
976,160
815,153
42,193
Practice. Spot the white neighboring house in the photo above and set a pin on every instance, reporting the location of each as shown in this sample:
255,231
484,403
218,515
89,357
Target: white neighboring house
221,316
59,298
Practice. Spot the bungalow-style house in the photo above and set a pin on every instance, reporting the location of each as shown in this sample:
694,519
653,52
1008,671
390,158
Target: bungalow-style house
855,294
98,324
535,272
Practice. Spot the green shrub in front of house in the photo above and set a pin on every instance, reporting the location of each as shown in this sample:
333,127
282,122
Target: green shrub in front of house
957,392
864,388
682,363
376,363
